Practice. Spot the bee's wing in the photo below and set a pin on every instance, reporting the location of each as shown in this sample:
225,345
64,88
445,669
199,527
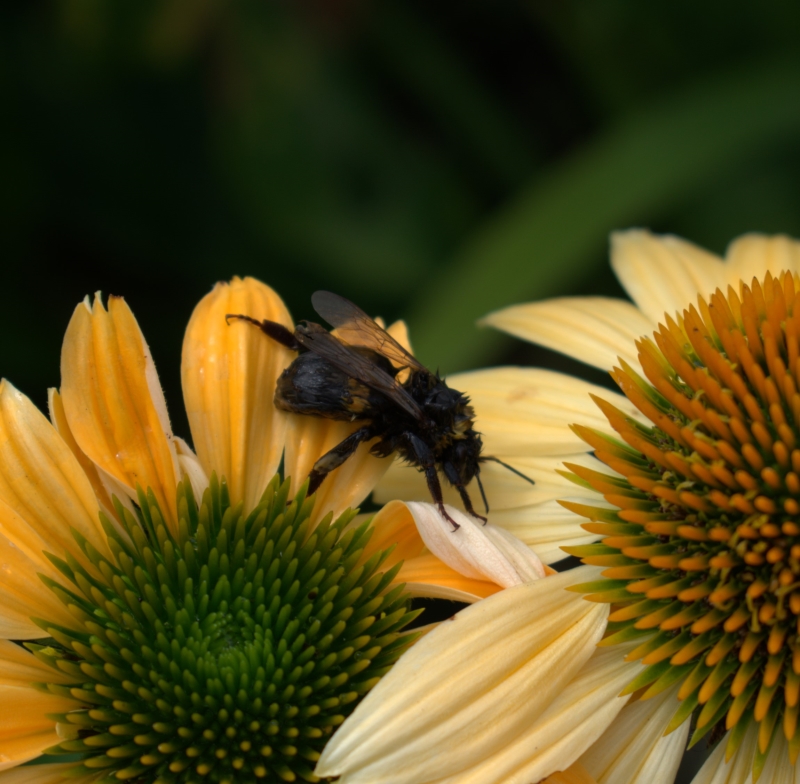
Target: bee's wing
317,339
355,327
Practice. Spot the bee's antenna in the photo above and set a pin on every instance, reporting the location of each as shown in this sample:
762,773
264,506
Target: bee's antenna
483,494
506,465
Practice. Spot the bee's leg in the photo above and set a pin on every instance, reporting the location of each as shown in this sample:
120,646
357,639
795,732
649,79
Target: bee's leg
276,331
467,501
454,479
425,459
336,456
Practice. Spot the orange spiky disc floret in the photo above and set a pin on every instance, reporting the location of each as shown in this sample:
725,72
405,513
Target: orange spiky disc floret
702,554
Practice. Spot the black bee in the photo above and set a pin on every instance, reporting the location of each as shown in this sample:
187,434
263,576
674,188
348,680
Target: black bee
356,375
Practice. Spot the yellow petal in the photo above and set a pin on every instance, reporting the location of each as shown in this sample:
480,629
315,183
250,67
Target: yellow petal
634,749
309,438
58,773
42,480
229,374
469,687
595,330
25,730
474,550
393,526
58,418
528,411
663,274
575,774
753,255
546,528
427,576
19,667
22,593
114,404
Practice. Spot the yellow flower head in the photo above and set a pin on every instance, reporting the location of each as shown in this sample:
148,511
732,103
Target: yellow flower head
698,527
193,617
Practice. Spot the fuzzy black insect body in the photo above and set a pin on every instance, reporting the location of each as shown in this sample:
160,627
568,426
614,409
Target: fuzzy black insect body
362,374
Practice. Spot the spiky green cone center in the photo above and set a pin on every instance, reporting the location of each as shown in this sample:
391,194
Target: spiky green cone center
228,652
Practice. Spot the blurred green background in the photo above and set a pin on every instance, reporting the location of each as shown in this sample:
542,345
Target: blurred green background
432,160
429,160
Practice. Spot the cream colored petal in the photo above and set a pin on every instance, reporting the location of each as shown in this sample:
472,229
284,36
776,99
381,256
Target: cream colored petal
504,489
41,479
393,527
634,749
229,374
556,738
19,667
738,770
474,550
595,330
546,528
470,687
427,576
114,404
753,255
528,411
25,730
59,773
663,274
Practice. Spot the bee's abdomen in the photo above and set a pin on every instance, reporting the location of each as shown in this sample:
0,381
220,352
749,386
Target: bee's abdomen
312,386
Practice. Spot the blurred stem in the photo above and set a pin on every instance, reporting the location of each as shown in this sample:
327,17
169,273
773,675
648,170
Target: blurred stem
538,245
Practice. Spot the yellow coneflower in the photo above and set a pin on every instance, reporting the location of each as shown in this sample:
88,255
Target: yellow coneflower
195,617
696,539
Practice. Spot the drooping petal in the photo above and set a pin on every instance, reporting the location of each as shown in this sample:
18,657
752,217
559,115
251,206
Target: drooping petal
634,749
465,691
753,255
595,330
427,576
229,374
476,551
25,730
41,480
114,404
663,274
528,411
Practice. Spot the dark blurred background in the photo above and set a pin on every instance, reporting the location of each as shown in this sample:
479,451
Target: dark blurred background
431,160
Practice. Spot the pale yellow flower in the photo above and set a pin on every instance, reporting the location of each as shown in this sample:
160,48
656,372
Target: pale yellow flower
195,617
693,488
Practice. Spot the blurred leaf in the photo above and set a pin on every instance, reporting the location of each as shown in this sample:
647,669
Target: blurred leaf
630,174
